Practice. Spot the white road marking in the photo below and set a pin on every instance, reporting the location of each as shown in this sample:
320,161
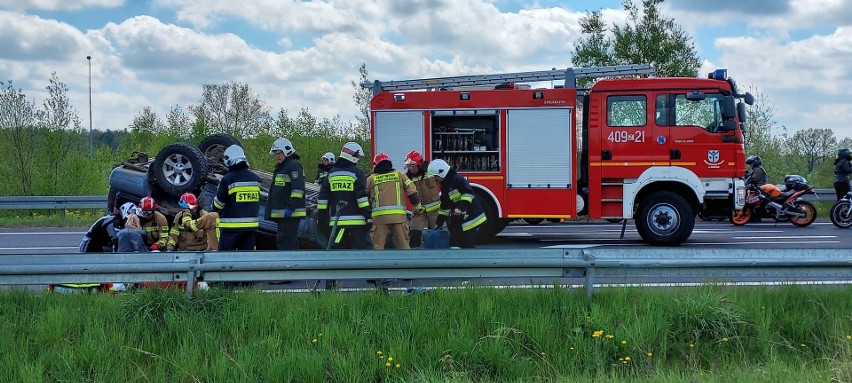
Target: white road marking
790,237
40,248
47,233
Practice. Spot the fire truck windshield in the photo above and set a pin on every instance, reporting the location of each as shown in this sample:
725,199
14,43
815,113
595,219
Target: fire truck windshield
705,113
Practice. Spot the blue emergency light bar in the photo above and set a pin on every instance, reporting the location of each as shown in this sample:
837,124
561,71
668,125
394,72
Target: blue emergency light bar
718,74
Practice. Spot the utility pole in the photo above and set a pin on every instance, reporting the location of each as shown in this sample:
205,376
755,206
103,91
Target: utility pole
91,139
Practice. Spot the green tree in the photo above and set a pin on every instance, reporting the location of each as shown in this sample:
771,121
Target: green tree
234,109
763,137
178,123
20,138
648,37
362,98
63,129
813,145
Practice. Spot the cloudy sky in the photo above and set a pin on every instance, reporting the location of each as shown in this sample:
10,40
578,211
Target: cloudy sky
297,54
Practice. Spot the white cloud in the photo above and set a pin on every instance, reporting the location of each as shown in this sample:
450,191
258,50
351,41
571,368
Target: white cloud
31,38
57,5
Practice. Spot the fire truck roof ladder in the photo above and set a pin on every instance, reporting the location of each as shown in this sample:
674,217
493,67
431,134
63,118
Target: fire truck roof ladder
570,76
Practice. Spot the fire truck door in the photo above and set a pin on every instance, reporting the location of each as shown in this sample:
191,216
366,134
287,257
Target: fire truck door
396,133
632,140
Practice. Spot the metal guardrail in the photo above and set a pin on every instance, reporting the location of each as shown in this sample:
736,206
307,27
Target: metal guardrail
53,202
99,201
590,265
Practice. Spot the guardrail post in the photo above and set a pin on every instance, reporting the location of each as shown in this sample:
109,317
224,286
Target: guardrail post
191,276
589,283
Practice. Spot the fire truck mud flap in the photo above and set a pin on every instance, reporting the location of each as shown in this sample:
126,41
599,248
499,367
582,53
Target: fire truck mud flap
665,219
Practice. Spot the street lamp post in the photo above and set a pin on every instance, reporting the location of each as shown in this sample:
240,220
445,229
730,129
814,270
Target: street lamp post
91,139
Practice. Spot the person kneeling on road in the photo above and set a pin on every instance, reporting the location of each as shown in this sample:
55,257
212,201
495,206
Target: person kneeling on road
154,223
193,229
458,205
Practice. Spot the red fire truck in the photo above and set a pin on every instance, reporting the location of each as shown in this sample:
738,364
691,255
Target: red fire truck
656,150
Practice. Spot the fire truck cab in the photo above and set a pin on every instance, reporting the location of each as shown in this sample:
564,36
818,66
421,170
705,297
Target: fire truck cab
656,150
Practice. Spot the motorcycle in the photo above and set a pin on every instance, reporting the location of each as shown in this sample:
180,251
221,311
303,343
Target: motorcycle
769,201
841,212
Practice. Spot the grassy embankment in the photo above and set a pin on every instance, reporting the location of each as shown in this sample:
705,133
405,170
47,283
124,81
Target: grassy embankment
708,334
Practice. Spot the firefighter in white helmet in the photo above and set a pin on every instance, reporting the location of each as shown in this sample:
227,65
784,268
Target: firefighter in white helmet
324,166
346,183
459,205
238,202
286,202
386,188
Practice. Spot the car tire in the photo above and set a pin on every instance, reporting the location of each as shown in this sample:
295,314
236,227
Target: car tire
180,168
213,147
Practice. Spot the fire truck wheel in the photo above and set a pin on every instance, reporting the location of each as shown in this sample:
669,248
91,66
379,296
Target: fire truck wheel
665,219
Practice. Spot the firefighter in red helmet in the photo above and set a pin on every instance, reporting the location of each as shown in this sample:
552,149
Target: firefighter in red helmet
385,188
194,229
154,223
429,190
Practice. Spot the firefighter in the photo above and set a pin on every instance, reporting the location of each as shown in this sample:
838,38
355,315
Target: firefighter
842,170
325,165
154,223
458,205
346,183
286,202
238,202
131,237
193,229
385,188
758,174
430,196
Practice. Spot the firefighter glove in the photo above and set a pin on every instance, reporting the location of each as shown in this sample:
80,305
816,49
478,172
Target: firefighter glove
287,213
420,209
155,247
458,211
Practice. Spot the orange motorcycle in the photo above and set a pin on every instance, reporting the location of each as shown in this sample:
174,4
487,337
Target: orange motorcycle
769,201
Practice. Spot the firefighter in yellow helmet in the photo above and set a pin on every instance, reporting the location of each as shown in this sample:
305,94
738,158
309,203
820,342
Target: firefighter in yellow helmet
387,188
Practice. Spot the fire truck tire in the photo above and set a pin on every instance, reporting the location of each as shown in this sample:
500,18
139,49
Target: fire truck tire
493,225
665,219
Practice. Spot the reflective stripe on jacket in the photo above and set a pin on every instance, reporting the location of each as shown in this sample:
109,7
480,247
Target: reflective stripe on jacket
287,190
346,183
386,196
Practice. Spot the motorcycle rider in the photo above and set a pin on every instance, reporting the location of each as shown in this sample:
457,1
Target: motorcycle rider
842,170
430,196
286,202
758,174
325,165
238,202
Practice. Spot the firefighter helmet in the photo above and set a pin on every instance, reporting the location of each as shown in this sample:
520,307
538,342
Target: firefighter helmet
233,155
438,168
147,204
283,145
188,201
754,161
351,151
379,158
329,156
844,153
414,158
127,209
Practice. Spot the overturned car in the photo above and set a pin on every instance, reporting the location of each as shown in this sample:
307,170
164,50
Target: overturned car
183,167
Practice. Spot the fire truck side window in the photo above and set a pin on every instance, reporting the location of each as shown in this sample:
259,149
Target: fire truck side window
706,113
626,110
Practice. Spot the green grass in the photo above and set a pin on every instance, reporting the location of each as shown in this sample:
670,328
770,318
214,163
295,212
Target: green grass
49,218
709,334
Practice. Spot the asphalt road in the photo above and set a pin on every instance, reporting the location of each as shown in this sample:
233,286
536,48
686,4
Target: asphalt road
821,234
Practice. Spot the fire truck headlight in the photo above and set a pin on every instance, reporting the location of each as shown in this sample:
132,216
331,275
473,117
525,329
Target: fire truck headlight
739,200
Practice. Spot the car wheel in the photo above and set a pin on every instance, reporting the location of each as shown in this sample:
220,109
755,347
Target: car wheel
214,147
180,168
